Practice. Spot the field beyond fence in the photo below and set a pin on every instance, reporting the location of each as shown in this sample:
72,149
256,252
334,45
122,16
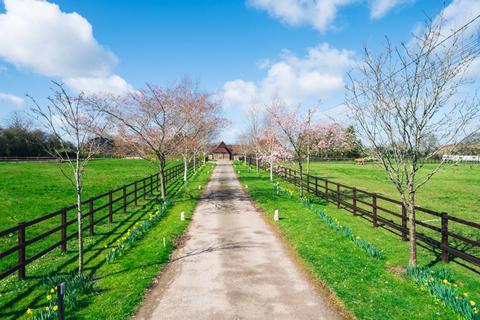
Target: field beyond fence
455,238
32,239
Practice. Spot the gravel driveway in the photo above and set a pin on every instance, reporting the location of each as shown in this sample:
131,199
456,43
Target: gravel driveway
232,266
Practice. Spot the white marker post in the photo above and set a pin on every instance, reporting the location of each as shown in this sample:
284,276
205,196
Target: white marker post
164,242
275,215
182,216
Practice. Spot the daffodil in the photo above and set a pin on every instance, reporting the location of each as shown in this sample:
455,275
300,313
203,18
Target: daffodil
47,309
52,290
445,281
29,311
465,294
49,297
472,303
55,308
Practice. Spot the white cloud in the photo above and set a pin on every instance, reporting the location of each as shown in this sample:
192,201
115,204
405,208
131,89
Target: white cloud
113,84
379,8
238,93
294,80
13,99
36,35
320,14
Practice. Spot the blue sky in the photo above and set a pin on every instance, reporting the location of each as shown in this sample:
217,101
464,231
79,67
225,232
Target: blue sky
242,50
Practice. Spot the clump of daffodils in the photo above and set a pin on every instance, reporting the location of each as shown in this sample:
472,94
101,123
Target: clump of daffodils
136,232
75,285
441,285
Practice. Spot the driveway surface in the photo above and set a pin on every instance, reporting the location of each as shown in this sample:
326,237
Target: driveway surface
232,266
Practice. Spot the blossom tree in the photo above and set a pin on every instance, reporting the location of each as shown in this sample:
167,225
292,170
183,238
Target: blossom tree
330,137
271,149
293,128
203,118
149,122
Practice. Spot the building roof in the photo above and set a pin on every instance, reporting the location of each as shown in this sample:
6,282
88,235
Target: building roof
222,148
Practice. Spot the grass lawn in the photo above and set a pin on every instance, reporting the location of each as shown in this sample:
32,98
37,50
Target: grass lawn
454,189
32,189
121,284
370,288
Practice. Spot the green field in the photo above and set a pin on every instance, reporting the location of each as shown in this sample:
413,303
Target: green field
31,189
121,284
369,288
454,189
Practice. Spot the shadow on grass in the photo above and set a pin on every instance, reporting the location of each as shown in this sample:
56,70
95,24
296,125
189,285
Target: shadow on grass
62,264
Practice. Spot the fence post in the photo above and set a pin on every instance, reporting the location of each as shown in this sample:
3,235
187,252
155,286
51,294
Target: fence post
354,201
135,194
124,198
60,301
144,189
404,223
338,196
110,206
374,210
326,190
316,186
21,250
444,243
308,183
90,216
151,185
63,247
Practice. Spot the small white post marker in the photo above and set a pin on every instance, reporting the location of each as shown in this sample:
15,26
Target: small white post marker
182,216
275,215
164,243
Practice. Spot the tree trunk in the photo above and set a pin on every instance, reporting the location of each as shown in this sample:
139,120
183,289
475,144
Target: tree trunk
185,168
412,227
194,162
78,182
161,171
256,162
300,171
271,171
245,159
308,159
204,158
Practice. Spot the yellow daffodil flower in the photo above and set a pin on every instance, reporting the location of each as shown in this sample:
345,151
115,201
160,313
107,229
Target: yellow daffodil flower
29,311
55,308
49,297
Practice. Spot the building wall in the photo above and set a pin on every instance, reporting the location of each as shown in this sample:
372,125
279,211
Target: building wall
221,156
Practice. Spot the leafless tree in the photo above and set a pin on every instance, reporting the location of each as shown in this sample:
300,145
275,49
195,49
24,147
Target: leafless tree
254,131
77,128
403,97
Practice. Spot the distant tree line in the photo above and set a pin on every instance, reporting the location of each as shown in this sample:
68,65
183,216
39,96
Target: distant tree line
19,139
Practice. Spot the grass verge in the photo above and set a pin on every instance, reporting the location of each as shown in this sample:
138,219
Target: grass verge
121,284
370,288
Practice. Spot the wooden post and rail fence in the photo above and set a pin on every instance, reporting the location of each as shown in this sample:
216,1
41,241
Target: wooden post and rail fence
453,237
109,202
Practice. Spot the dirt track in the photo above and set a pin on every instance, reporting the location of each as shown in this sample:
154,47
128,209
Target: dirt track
232,266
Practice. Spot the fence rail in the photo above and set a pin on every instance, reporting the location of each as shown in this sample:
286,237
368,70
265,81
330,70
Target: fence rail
391,214
111,202
53,159
369,160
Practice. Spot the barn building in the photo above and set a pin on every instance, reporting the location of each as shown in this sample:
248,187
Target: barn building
225,152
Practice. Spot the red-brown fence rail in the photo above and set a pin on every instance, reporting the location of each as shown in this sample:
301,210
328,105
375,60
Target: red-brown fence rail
31,237
453,236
